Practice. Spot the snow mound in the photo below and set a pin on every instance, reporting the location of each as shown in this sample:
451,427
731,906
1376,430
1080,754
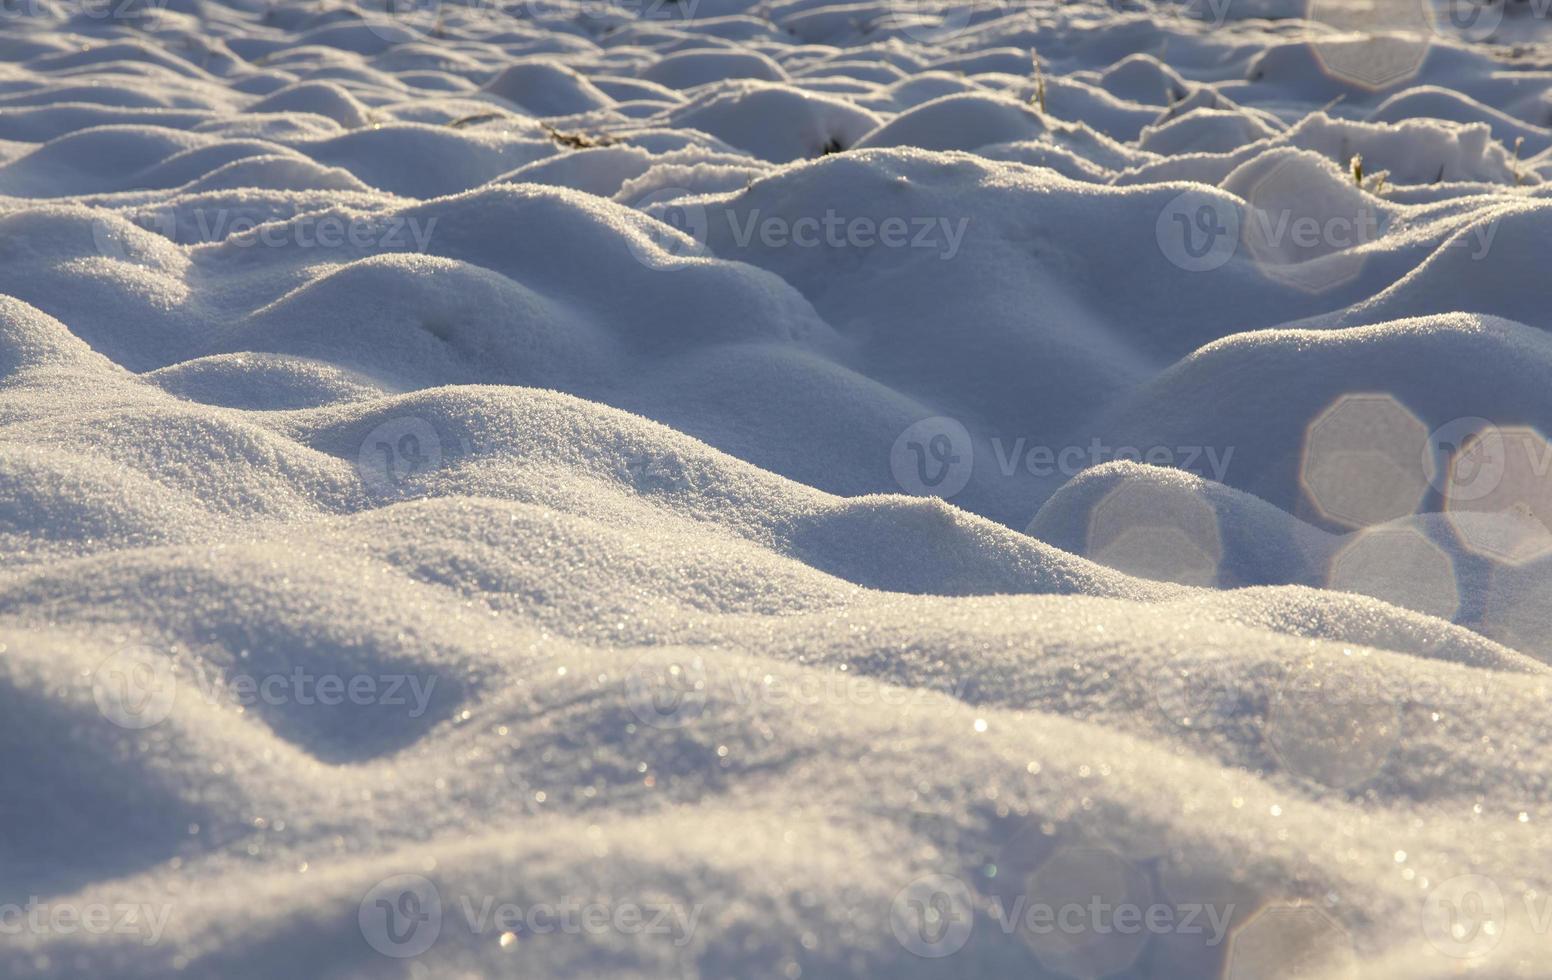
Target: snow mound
798,489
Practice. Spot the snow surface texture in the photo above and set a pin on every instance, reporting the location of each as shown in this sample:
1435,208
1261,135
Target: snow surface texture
787,488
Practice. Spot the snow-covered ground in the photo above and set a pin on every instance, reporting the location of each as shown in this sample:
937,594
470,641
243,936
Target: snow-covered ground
775,488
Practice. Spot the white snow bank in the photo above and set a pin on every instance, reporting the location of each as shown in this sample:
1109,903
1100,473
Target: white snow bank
788,486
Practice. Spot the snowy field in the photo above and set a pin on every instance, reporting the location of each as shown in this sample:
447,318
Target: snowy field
775,488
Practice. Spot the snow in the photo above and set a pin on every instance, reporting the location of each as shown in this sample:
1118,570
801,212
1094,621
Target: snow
806,489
